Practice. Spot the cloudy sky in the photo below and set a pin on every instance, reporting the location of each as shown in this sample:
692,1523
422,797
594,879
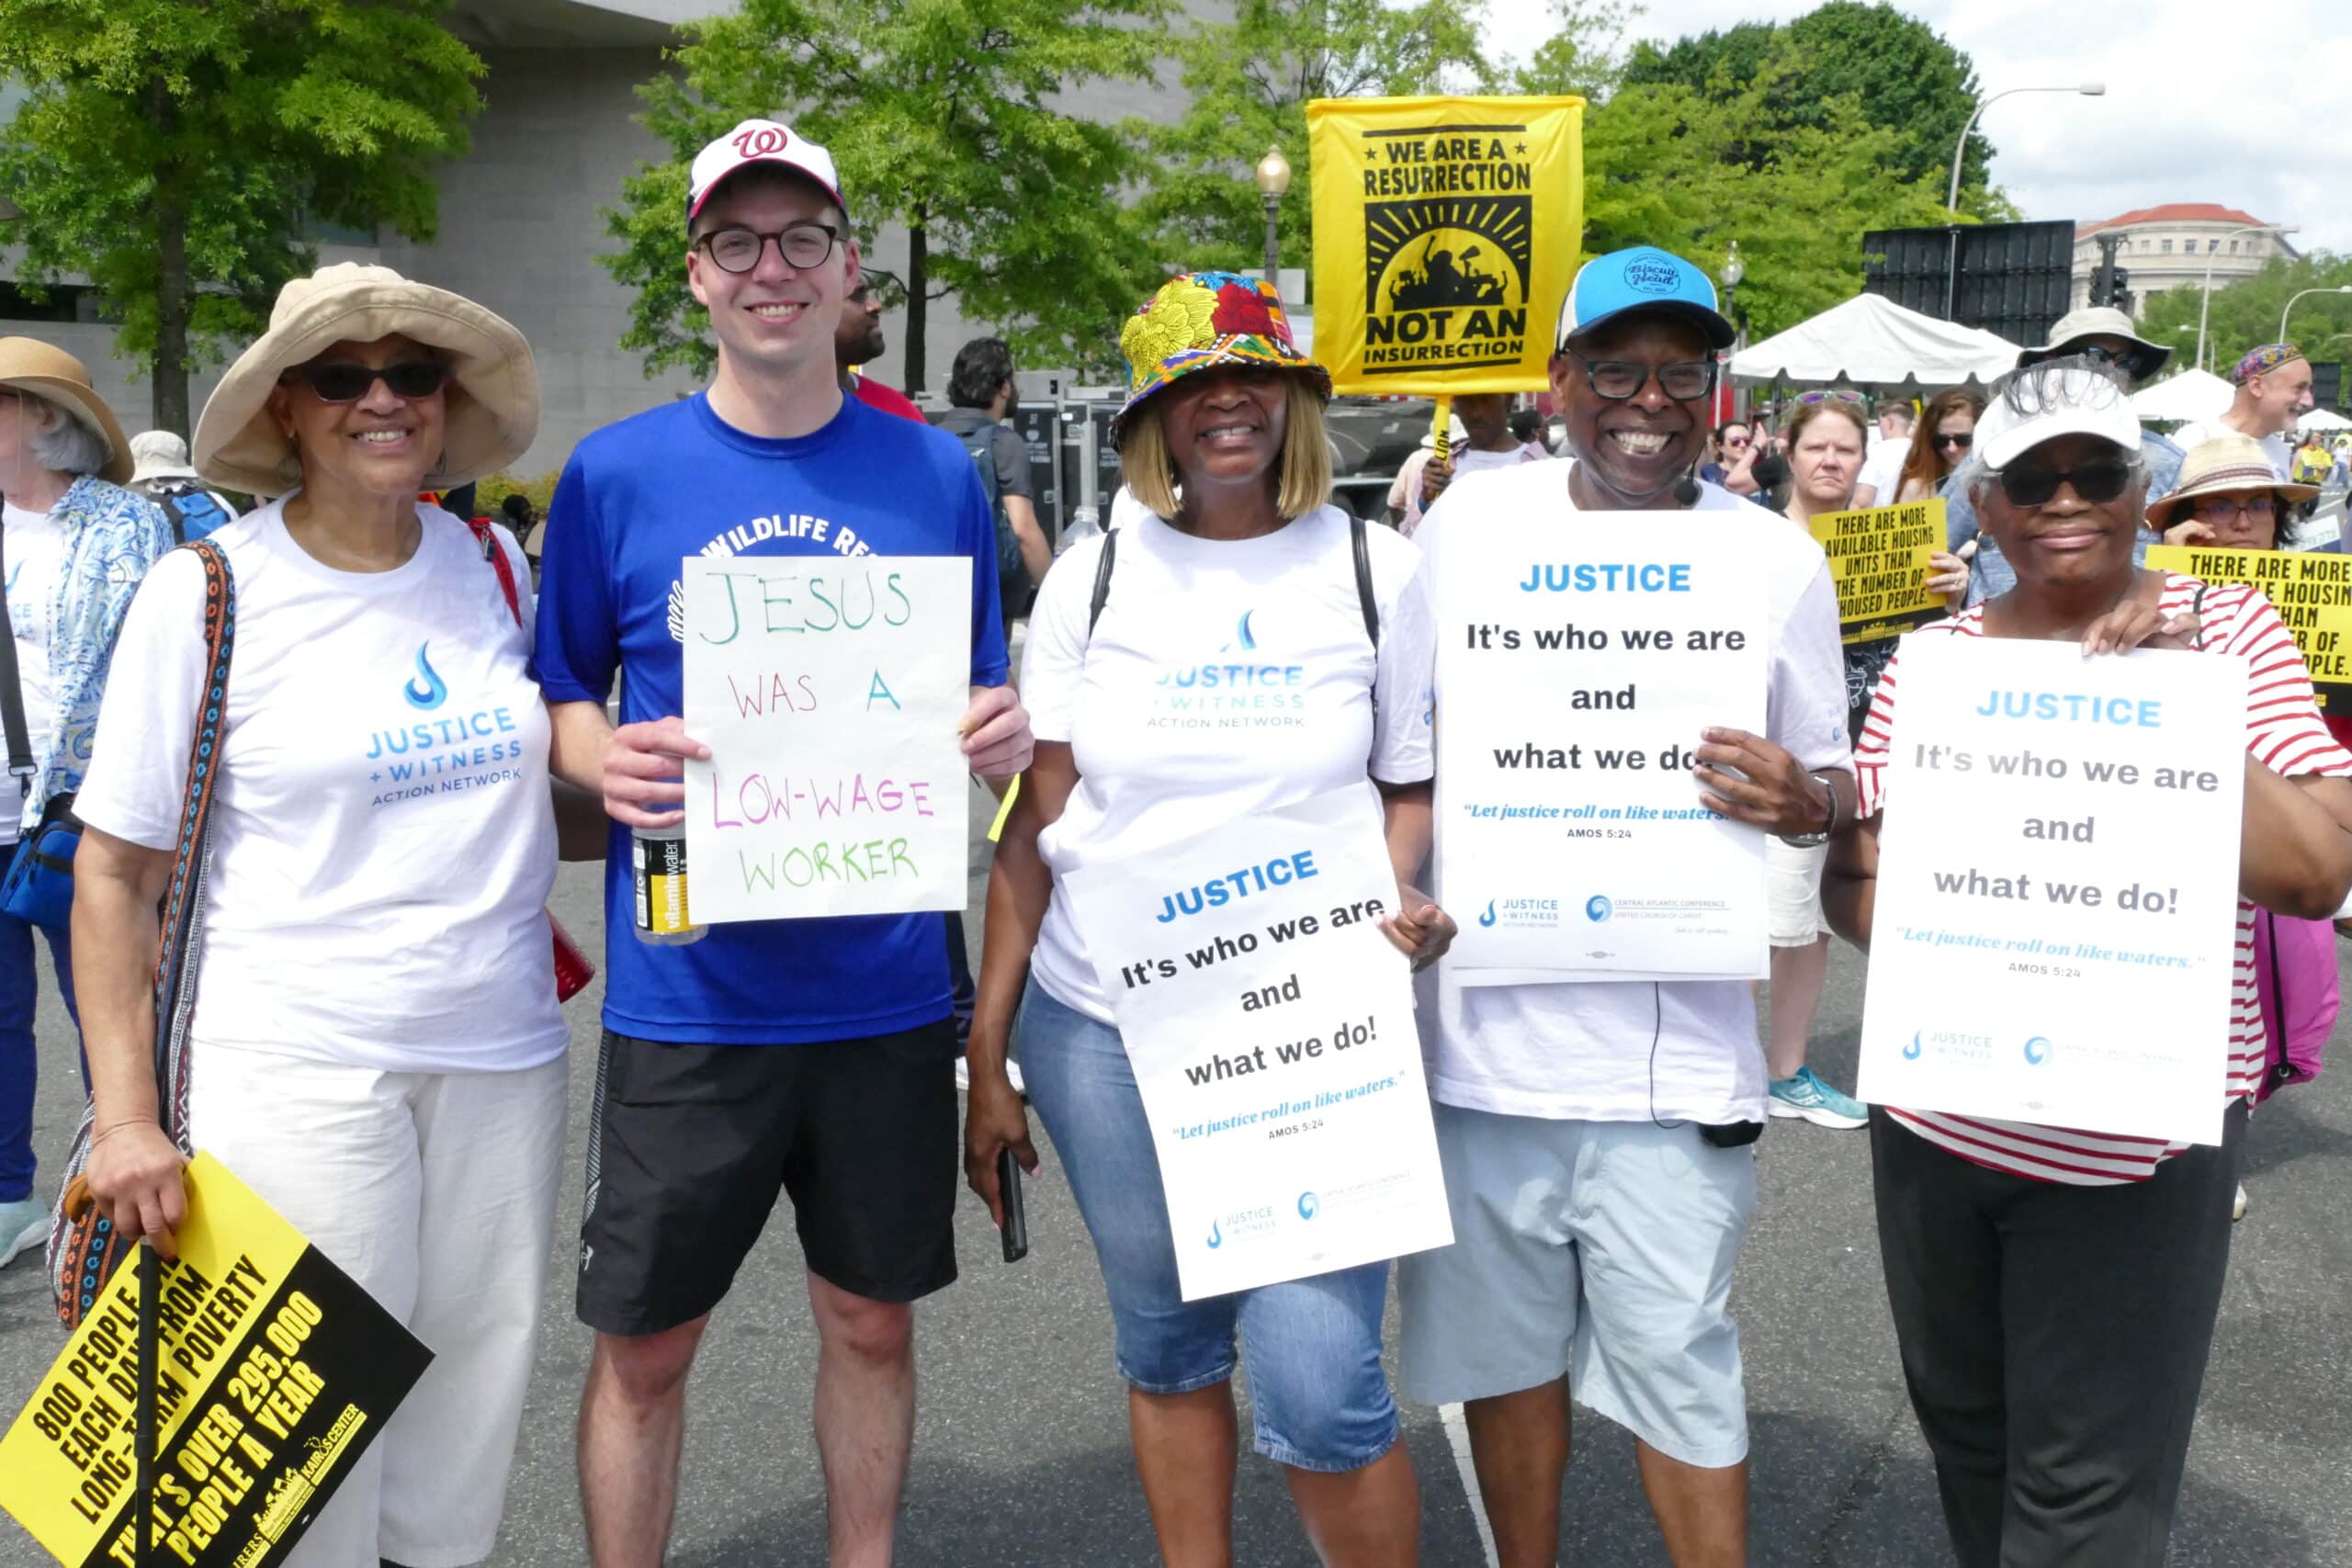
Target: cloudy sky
2204,101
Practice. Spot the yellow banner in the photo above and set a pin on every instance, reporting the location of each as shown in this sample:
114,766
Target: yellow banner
2311,591
273,1371
1446,235
1878,558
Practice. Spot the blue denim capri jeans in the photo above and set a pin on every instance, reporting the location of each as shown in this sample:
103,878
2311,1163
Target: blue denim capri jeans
1319,1397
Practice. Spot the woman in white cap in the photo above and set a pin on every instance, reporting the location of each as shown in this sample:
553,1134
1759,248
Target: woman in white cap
2054,1291
76,547
376,1044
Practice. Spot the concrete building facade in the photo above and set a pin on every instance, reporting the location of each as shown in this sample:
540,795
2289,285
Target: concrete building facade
522,218
2176,246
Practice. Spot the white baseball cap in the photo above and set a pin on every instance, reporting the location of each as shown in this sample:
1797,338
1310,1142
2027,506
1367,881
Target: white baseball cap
2078,402
758,141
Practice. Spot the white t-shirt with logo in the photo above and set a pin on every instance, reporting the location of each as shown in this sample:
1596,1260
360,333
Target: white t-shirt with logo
33,545
1619,1051
383,841
1225,677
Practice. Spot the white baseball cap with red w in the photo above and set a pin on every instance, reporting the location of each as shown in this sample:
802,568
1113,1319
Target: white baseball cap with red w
758,141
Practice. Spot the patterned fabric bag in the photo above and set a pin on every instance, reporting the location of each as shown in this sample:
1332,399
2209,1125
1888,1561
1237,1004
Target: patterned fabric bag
84,1247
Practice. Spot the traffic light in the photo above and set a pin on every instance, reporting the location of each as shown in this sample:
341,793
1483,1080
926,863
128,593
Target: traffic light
2119,289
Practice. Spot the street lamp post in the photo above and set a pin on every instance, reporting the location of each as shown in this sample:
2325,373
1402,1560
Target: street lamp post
1960,157
1273,180
2339,289
2205,305
1729,275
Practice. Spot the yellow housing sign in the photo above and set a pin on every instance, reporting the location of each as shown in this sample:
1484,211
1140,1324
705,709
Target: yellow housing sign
1447,231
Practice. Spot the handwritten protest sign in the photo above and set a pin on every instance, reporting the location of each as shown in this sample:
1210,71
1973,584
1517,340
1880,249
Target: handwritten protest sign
829,693
1270,1023
273,1372
1577,670
1878,558
2312,593
2067,960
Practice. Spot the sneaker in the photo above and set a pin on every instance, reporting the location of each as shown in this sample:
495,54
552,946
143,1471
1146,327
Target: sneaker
1011,1070
2237,1210
24,1225
1805,1095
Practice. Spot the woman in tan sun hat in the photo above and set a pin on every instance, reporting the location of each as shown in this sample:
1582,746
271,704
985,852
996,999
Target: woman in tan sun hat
376,1046
2228,496
76,547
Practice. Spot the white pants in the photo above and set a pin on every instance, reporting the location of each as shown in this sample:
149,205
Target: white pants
436,1191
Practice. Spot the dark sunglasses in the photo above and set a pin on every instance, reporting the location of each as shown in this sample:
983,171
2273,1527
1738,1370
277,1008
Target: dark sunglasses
347,381
2095,481
1620,379
1964,440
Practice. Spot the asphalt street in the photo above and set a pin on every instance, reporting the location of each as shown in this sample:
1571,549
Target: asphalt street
1021,1454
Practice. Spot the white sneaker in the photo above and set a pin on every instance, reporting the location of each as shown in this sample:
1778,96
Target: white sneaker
23,1225
1011,1070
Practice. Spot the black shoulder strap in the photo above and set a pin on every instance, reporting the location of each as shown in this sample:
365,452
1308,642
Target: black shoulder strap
1358,529
1101,579
21,766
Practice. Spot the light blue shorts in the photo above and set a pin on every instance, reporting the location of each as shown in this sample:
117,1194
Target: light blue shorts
1601,1249
1317,1394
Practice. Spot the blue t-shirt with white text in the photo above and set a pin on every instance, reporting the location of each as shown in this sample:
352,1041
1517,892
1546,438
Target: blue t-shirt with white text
638,498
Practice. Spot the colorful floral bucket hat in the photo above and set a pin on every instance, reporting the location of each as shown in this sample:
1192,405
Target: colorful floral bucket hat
1203,320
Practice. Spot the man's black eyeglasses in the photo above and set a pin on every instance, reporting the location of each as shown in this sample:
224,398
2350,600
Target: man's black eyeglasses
1619,379
347,381
2103,480
802,246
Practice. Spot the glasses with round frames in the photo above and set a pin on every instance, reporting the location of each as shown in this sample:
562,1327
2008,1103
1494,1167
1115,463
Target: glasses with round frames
802,246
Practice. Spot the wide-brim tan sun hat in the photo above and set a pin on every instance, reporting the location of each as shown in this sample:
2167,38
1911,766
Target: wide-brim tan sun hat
2223,464
32,366
492,397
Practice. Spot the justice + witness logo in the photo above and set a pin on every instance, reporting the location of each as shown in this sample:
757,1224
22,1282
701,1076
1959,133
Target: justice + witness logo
428,691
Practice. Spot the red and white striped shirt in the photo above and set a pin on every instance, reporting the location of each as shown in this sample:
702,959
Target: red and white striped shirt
2284,732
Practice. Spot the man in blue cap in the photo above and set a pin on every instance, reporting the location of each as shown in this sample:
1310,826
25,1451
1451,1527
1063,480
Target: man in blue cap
1596,1138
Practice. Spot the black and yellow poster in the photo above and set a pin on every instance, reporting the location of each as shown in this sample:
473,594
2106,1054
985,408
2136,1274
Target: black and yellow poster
2311,590
1878,560
1446,235
273,1372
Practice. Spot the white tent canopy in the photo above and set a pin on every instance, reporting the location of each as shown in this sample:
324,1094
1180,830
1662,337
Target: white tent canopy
2324,418
1870,341
2192,394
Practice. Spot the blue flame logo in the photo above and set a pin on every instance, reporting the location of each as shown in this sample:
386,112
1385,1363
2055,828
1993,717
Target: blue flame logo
1911,1052
1216,1236
1308,1205
1488,917
428,691
1243,639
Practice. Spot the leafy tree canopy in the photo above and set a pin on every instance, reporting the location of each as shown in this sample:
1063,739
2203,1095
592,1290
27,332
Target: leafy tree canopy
2245,314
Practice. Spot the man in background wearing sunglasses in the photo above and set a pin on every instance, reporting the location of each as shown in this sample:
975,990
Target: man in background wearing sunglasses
813,1057
2103,335
1597,1138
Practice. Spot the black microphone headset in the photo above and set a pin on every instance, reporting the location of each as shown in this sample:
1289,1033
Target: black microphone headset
1686,488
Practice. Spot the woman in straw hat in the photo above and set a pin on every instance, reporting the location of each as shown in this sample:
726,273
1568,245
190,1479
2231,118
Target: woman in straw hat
76,547
377,1048
1222,440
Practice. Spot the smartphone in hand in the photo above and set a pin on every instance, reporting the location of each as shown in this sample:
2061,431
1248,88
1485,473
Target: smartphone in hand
1015,1234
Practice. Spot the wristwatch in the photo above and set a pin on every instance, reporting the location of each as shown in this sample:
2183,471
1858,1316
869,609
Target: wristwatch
1829,826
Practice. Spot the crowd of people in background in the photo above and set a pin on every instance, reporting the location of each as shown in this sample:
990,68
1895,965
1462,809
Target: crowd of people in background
383,1059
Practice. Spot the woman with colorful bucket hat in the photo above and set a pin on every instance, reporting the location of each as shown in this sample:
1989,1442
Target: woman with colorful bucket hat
1222,440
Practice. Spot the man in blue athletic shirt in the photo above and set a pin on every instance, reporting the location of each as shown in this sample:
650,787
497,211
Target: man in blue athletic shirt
813,1056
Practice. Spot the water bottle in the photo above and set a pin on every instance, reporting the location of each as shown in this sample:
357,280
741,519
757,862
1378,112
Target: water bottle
657,876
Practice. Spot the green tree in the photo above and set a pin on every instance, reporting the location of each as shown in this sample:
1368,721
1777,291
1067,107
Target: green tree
1667,165
1908,80
172,150
1249,81
1580,58
939,114
2245,314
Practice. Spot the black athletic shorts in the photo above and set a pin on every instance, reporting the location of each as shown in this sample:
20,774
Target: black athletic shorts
688,1145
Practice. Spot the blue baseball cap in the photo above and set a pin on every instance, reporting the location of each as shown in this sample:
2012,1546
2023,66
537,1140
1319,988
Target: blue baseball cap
1642,278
